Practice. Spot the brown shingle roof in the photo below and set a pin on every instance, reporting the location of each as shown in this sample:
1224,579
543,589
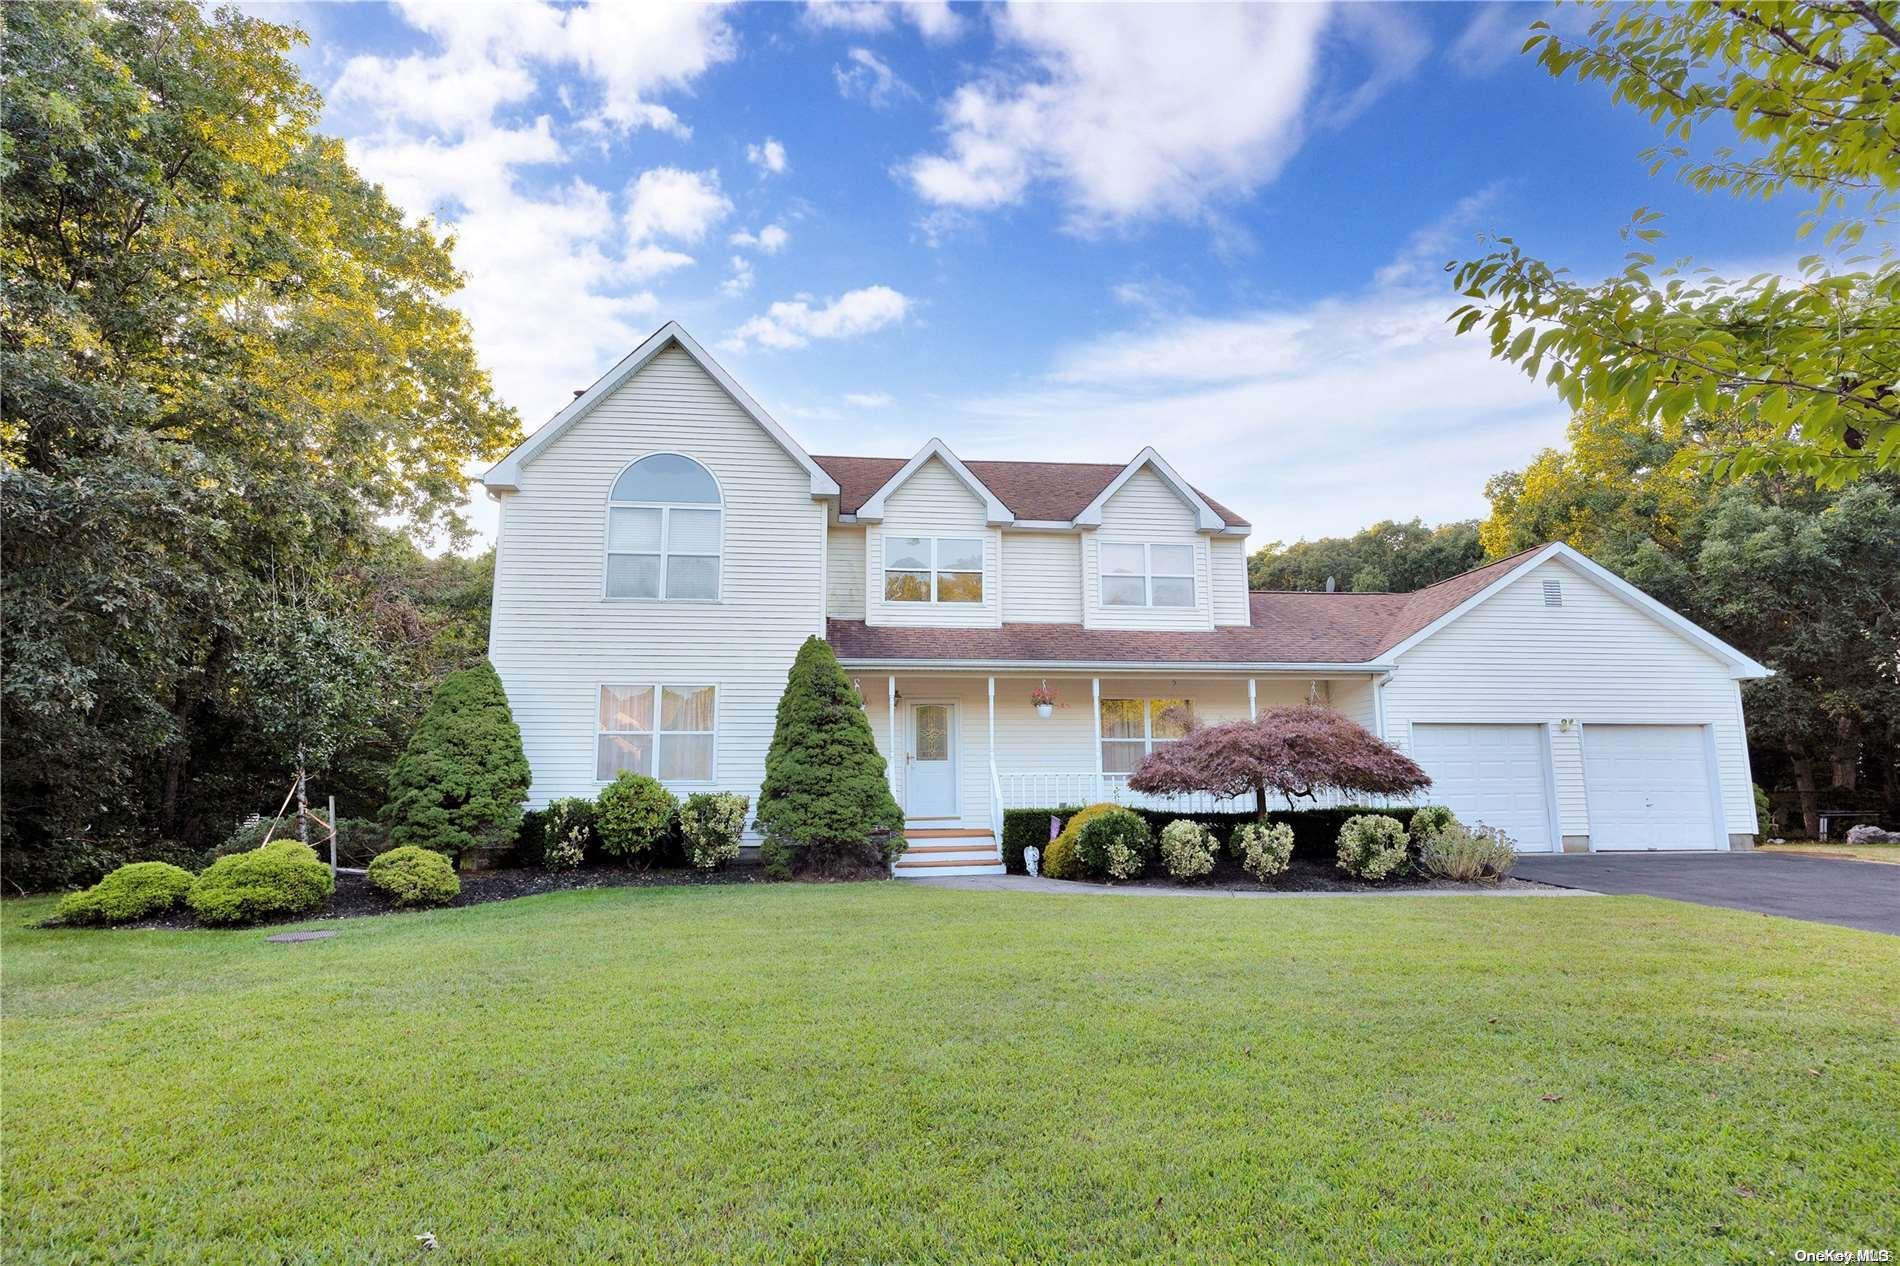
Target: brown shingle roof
1287,628
1031,490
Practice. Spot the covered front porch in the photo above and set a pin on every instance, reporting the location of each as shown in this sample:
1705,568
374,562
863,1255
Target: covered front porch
963,745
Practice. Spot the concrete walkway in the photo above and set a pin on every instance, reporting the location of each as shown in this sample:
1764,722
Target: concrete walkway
1024,883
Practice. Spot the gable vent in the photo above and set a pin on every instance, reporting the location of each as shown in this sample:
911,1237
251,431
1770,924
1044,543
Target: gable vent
1553,593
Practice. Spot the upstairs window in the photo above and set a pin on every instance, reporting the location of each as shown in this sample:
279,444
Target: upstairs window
1147,575
664,531
933,569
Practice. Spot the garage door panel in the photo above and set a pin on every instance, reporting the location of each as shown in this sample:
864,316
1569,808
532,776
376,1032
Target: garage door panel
1489,773
1647,787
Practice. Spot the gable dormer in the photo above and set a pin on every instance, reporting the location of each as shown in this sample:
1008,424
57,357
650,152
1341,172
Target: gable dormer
1148,563
932,548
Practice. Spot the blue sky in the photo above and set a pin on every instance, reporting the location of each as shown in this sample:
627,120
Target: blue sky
1057,232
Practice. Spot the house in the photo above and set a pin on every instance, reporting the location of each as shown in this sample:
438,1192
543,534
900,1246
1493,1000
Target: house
665,547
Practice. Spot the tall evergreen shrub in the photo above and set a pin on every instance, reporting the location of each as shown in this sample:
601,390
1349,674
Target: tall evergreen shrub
461,781
826,796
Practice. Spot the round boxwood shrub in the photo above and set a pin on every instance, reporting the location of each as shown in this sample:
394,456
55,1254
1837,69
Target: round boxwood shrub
1264,849
282,878
1428,820
634,814
711,824
1062,860
568,832
1187,849
1372,846
1116,844
411,876
136,891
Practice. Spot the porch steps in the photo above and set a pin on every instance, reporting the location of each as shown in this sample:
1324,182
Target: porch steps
934,852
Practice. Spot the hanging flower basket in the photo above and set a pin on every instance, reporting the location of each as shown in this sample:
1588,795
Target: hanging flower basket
1044,699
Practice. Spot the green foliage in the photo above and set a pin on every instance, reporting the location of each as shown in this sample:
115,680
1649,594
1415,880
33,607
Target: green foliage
281,879
1803,368
1387,557
1115,844
1187,849
1315,831
461,780
1428,820
711,824
1028,828
634,815
216,335
1062,859
1468,856
137,891
1264,849
776,858
1372,846
825,793
411,876
569,832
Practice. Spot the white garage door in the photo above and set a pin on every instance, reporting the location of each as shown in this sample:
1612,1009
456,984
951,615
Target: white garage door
1647,786
1492,774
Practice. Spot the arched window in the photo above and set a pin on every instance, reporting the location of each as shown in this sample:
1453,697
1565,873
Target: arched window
663,531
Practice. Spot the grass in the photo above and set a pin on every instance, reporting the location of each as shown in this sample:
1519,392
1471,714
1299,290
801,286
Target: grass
884,1072
1828,848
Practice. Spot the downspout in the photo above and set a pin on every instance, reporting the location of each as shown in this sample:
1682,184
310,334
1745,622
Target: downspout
1378,703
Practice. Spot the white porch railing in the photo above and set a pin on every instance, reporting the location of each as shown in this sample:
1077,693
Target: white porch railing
1050,789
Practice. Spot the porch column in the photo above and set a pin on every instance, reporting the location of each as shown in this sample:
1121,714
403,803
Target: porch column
890,698
1095,686
996,790
1253,702
992,685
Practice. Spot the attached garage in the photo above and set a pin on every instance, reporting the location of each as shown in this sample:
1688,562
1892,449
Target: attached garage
1649,787
1494,774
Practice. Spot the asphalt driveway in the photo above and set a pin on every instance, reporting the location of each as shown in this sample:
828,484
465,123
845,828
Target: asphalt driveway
1819,889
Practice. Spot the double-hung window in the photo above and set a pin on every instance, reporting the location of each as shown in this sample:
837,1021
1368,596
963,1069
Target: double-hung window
933,569
1132,728
664,732
664,531
1147,575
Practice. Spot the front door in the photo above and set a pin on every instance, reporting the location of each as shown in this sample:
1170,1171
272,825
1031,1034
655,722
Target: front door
930,776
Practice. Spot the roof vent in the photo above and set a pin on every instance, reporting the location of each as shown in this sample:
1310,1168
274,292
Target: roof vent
1553,593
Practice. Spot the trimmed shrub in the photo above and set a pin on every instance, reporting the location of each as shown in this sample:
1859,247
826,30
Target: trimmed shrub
1315,831
1071,857
1468,855
136,891
249,835
1028,828
1187,849
568,832
775,858
633,815
1372,846
1264,849
711,824
460,782
282,878
411,876
1427,821
1116,844
826,795
1061,860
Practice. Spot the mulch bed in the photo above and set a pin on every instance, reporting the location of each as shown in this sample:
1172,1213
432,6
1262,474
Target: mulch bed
1305,874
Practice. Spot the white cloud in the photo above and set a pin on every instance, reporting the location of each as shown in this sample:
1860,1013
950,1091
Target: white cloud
771,239
768,156
741,279
1424,252
795,322
643,262
869,399
1136,111
670,202
869,78
934,19
1496,33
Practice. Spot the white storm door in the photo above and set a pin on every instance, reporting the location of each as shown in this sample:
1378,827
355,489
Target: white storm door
930,775
1647,787
1492,774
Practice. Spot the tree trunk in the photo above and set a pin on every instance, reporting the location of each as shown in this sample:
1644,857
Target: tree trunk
303,803
1844,756
1804,788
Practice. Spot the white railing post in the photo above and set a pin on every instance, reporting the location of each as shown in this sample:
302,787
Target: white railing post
996,783
890,698
1253,702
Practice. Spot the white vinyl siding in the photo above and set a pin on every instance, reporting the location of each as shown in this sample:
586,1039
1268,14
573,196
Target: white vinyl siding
844,573
1228,559
1593,660
1042,578
555,639
933,503
1146,510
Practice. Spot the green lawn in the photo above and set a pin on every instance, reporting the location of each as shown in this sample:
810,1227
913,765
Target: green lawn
1823,848
883,1072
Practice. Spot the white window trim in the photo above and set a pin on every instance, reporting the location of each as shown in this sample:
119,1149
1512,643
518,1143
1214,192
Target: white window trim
1148,577
982,573
666,527
655,734
1147,740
